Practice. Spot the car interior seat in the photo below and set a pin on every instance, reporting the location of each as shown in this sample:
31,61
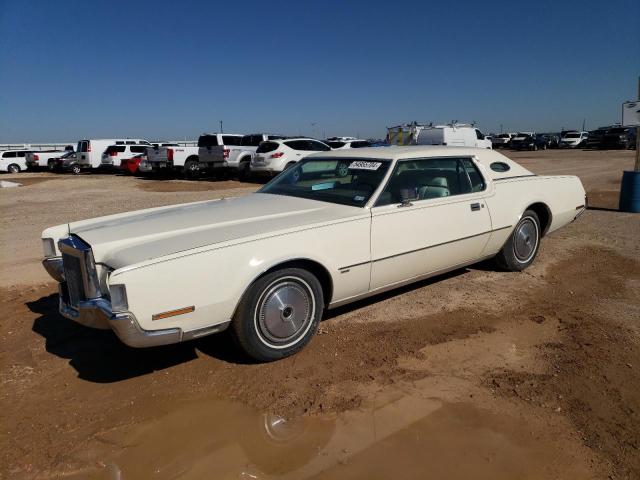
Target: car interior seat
435,188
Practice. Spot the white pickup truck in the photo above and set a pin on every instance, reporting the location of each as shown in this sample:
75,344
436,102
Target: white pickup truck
171,157
231,152
214,150
42,159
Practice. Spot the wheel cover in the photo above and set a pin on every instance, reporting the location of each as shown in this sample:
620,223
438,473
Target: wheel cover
284,312
525,240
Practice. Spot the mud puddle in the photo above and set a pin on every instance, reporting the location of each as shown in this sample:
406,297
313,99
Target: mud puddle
407,437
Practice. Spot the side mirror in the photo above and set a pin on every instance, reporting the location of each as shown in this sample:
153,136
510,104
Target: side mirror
408,195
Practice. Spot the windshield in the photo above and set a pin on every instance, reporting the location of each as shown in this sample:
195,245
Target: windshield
572,135
343,181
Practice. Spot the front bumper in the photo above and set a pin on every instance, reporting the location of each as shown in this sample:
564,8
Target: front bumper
97,313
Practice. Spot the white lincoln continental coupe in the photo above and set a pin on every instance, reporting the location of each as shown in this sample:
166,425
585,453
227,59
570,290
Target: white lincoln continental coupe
334,228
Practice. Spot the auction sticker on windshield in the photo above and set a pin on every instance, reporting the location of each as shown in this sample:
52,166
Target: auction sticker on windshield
361,165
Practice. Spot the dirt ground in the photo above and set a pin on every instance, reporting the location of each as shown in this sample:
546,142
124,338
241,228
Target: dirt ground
476,374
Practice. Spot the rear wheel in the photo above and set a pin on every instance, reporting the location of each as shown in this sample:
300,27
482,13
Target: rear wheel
51,165
521,248
191,170
278,314
13,168
244,172
289,165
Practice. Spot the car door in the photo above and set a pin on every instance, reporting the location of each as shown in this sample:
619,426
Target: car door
447,224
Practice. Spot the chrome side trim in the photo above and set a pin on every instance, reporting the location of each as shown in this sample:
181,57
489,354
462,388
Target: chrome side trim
425,248
201,332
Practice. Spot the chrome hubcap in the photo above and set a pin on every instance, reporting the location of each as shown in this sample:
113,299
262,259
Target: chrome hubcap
525,240
285,310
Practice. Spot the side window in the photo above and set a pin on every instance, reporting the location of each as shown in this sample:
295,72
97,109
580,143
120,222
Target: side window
297,144
119,142
477,182
138,149
479,135
129,142
208,141
231,140
318,147
425,179
9,155
20,154
360,144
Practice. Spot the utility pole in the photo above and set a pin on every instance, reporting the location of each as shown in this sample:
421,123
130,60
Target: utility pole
584,121
500,128
221,131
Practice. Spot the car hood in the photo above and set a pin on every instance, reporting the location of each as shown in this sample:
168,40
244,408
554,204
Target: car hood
125,239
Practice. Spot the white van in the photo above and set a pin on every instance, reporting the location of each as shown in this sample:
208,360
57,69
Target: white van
90,151
453,135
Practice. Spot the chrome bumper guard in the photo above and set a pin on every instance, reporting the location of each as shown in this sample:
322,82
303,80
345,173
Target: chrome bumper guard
53,266
97,313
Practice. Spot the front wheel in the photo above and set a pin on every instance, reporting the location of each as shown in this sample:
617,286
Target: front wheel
278,314
521,248
76,169
13,168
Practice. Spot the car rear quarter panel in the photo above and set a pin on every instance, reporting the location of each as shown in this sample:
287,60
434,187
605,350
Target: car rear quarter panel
214,280
562,195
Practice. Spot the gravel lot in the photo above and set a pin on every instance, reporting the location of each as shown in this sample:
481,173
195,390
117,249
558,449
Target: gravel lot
529,375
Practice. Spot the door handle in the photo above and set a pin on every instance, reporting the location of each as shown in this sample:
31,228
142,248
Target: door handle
475,207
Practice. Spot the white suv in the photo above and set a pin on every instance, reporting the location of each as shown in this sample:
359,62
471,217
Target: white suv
345,143
13,161
274,156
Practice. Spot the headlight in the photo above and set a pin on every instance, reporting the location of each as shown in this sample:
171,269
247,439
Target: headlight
49,247
119,301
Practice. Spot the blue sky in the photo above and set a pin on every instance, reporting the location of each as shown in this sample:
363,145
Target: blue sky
74,69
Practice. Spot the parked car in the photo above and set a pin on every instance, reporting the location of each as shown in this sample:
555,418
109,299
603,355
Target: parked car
214,150
350,143
41,159
595,138
132,165
13,161
89,152
501,140
68,163
274,156
519,138
335,228
540,141
114,154
55,163
240,157
619,137
573,139
453,135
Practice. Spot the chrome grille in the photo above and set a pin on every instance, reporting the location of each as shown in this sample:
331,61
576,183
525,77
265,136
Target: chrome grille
73,275
80,270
